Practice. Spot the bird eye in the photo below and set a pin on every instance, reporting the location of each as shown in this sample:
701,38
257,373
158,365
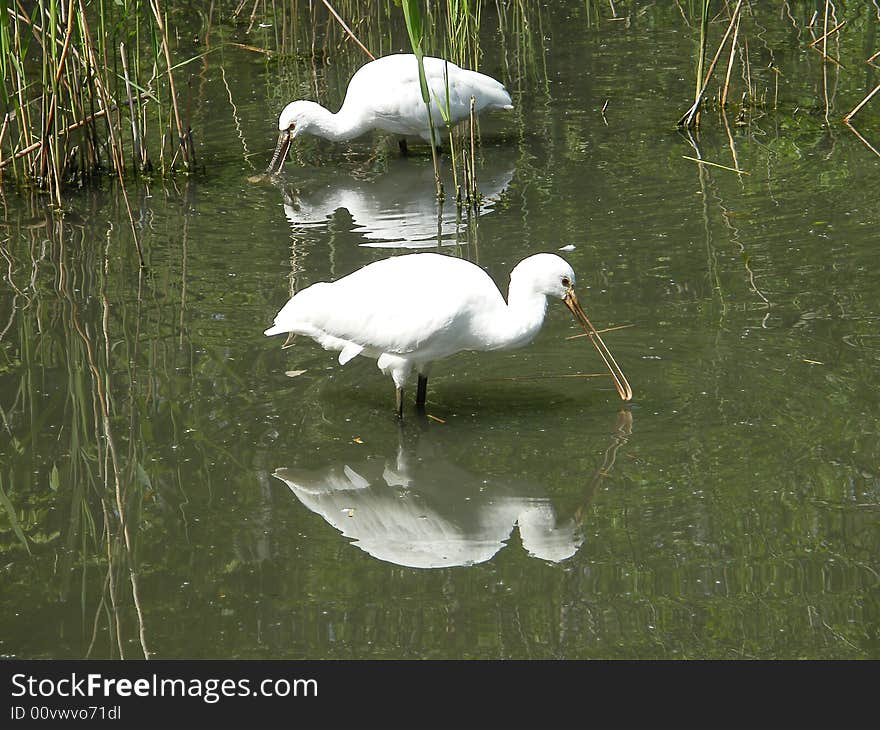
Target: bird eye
566,282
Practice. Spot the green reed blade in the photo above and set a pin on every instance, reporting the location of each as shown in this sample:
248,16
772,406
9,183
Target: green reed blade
10,510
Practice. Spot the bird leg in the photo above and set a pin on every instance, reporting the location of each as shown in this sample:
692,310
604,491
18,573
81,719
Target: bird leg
401,143
400,403
422,391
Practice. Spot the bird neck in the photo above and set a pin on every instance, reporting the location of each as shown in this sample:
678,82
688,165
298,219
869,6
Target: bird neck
521,319
346,124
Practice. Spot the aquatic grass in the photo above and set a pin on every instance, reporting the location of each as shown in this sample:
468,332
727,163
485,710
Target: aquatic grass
691,117
821,30
13,517
461,46
463,18
463,32
72,70
413,19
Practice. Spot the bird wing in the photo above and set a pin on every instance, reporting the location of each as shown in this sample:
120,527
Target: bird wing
402,305
457,85
390,88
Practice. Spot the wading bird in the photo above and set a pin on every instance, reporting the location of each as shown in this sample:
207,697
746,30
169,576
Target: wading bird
408,311
386,94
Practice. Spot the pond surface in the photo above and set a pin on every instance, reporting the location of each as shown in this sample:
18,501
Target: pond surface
729,511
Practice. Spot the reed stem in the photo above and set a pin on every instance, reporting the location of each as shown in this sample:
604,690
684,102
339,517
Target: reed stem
67,108
689,117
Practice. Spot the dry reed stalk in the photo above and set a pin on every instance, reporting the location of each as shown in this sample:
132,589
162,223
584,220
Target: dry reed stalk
730,142
601,332
47,149
825,65
748,69
865,142
729,65
688,118
862,103
89,52
115,145
348,30
547,377
137,149
701,59
67,130
66,45
3,131
184,139
683,14
472,193
776,74
715,164
246,47
823,51
824,38
829,57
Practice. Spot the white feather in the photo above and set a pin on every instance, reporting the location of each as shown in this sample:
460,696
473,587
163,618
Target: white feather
349,352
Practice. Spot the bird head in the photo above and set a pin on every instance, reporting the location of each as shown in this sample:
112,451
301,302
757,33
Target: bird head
544,273
296,118
552,276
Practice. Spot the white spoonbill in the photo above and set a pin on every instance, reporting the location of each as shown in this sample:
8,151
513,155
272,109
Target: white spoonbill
385,94
408,311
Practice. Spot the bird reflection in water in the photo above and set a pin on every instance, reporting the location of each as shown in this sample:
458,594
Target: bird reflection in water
397,208
420,510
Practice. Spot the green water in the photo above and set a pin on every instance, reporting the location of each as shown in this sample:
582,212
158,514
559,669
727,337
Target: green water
729,511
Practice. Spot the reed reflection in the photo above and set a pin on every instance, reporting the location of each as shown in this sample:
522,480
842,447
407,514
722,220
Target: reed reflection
420,509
